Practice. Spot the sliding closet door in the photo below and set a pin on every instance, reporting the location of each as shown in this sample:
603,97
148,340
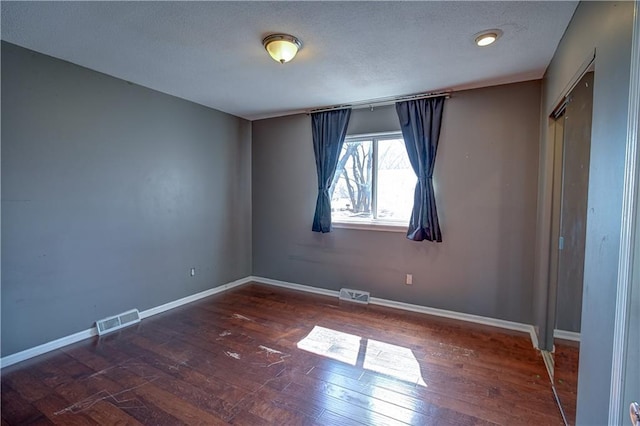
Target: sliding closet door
571,244
575,185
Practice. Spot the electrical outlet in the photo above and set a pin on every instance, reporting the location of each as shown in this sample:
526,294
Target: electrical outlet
192,272
409,280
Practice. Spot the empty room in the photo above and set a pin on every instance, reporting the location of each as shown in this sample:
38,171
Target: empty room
327,213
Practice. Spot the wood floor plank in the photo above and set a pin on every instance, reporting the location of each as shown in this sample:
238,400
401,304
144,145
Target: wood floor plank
214,397
339,406
178,378
245,418
23,382
17,410
331,418
147,388
53,405
259,355
367,402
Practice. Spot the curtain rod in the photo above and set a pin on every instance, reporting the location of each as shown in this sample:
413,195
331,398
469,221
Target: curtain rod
384,101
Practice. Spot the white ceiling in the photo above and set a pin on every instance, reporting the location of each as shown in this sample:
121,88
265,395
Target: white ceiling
211,52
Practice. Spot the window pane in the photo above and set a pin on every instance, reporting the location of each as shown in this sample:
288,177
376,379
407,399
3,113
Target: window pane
351,190
396,181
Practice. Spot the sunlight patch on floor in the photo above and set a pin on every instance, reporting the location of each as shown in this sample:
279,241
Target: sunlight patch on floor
384,358
343,347
393,360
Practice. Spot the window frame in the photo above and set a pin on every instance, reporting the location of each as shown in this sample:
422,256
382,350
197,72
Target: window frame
372,224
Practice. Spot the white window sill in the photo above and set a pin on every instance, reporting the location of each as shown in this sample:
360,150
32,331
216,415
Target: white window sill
371,225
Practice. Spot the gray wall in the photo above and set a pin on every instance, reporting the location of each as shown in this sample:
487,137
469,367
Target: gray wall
485,182
110,193
605,27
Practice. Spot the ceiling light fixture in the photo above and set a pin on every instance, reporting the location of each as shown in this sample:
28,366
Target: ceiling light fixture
282,47
488,37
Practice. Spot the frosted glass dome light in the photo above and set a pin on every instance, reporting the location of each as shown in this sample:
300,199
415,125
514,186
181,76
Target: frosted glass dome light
282,47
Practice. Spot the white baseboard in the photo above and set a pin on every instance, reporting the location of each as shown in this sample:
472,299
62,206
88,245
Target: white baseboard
509,325
477,319
167,306
47,347
548,363
566,335
293,286
85,334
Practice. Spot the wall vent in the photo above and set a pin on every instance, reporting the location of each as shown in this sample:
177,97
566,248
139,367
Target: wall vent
357,296
117,322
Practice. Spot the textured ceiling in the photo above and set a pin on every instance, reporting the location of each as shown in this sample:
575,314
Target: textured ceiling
211,52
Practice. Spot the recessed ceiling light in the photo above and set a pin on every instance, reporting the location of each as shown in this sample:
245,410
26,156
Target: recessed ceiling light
488,37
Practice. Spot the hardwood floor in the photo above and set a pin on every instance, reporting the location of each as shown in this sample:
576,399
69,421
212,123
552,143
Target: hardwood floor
566,358
258,355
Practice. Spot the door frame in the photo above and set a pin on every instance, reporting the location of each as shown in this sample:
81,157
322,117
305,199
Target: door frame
629,227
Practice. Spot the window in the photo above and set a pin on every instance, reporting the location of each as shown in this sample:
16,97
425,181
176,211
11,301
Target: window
374,182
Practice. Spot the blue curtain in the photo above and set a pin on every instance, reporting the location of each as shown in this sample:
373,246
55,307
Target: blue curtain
420,122
329,130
